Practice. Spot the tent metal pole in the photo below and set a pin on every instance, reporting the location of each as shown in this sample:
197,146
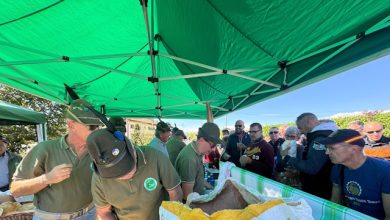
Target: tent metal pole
110,56
72,59
253,79
190,76
22,62
29,80
190,62
152,54
323,61
224,104
265,91
213,106
253,91
35,82
79,62
111,69
203,74
187,113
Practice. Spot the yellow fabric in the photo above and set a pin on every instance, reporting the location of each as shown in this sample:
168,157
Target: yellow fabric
251,211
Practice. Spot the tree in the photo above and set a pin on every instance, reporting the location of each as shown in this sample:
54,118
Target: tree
141,137
21,135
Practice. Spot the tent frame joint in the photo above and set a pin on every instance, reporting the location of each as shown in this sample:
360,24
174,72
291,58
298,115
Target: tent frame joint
153,79
154,53
65,58
361,35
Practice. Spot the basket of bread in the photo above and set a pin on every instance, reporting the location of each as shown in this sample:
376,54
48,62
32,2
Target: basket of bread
16,211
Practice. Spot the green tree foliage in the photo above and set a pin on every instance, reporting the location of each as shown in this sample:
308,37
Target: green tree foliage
20,136
141,137
382,118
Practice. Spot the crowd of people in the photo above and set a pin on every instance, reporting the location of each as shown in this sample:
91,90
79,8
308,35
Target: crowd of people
97,173
319,158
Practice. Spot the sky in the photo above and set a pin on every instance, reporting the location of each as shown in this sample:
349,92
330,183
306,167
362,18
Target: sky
363,88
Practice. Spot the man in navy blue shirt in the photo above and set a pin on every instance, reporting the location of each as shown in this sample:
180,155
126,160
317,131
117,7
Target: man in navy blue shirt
237,144
359,182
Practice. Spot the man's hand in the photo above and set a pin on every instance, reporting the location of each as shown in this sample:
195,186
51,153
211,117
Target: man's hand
241,146
284,152
244,160
58,174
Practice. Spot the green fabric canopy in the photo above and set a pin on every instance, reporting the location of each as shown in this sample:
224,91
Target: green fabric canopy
228,53
15,115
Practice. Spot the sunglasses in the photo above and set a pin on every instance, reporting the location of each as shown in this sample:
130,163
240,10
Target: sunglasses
254,131
238,126
273,132
372,132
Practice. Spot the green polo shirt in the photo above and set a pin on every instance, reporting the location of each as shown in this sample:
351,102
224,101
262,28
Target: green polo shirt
139,197
174,146
69,195
190,167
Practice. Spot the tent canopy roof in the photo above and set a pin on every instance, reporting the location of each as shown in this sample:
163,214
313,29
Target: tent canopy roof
15,115
185,54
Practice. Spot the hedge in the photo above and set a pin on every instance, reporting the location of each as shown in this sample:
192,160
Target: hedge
383,118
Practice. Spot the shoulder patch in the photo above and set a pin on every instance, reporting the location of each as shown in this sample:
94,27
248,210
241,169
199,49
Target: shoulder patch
318,146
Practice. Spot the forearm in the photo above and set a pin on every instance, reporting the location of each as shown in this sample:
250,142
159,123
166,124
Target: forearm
176,194
22,187
106,216
187,189
105,213
309,166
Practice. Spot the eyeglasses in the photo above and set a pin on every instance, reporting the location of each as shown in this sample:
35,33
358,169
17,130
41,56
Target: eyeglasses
273,132
254,131
238,126
291,136
372,132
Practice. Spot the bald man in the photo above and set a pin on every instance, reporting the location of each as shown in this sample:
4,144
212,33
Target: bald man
236,144
374,132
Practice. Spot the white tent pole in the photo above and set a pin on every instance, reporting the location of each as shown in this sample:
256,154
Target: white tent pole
253,91
253,79
70,60
190,76
53,94
190,62
152,55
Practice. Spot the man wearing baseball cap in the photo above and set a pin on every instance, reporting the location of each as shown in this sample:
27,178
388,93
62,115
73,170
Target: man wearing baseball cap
359,182
129,182
175,144
8,163
189,161
58,171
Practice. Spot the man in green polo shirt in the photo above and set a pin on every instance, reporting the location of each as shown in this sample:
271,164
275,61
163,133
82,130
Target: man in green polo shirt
189,162
58,171
129,182
175,144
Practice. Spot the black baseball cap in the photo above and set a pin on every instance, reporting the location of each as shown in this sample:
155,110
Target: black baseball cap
112,157
347,136
211,132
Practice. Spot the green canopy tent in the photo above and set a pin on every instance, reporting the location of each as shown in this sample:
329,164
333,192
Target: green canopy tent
169,58
15,115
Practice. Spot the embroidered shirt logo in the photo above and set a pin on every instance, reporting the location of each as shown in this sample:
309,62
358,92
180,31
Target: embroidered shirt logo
150,184
354,188
318,146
